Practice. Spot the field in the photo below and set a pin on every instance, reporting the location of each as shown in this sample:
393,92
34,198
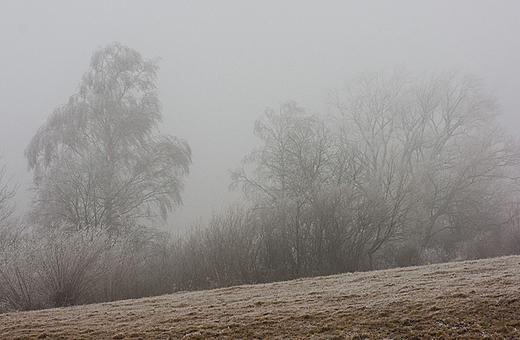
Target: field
464,300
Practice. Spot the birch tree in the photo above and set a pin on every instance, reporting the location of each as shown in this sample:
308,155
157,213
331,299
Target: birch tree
98,161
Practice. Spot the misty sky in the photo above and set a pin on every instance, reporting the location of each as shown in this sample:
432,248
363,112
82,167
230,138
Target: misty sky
224,62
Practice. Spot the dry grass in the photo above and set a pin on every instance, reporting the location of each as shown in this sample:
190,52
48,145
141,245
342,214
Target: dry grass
472,300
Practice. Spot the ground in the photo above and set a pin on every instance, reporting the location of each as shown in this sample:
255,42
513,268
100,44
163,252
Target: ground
463,300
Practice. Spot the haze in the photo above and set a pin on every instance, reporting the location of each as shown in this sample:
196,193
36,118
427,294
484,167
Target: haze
224,62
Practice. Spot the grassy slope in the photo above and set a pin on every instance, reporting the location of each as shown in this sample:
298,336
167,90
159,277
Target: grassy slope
473,299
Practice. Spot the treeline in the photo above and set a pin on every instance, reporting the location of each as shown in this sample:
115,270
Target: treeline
401,170
239,246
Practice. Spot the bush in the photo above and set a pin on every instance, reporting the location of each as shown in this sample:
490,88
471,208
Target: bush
484,245
19,284
64,266
131,267
51,268
511,240
433,255
69,265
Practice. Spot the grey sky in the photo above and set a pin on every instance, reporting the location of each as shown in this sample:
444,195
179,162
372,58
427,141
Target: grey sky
224,62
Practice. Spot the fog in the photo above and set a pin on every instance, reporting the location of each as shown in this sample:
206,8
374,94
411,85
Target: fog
224,62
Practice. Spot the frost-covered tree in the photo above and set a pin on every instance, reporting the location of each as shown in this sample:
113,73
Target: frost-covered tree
98,161
298,182
297,159
400,161
430,145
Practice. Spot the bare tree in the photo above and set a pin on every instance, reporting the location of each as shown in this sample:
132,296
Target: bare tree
298,162
96,161
432,143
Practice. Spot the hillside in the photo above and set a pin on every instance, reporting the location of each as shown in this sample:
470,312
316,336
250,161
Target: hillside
472,299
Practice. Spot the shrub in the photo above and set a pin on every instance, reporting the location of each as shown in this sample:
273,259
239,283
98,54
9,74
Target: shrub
484,245
432,255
